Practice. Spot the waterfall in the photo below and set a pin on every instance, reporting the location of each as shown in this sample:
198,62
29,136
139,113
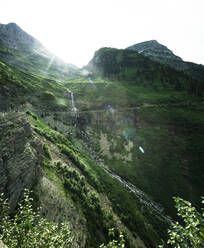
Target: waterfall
70,93
73,103
72,100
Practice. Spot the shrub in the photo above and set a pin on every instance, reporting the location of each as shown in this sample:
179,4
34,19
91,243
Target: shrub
119,242
27,229
191,234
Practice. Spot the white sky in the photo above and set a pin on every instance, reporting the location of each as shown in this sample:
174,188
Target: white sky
75,29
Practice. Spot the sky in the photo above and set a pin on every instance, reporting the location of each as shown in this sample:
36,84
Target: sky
74,29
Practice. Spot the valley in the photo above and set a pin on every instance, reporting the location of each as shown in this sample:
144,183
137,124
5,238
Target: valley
108,145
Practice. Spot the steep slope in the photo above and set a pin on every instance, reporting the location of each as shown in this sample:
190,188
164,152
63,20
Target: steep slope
22,90
24,52
160,53
23,157
68,185
147,123
107,150
153,139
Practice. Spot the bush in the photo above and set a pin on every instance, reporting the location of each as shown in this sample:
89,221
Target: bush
27,229
119,242
192,233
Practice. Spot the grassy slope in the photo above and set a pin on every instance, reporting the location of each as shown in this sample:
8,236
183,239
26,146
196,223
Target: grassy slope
20,87
167,121
87,183
168,124
45,66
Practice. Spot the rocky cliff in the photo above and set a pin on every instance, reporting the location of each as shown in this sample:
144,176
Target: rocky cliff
22,166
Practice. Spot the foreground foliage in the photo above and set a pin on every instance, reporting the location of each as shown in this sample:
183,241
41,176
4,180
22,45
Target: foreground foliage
119,243
28,229
191,234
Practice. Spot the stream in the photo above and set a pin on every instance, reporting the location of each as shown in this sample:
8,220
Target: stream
152,206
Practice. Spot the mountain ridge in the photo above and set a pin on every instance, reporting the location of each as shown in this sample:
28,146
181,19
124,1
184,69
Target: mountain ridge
23,51
160,53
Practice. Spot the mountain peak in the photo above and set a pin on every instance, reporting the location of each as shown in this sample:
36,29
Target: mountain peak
157,52
14,37
12,24
152,41
10,27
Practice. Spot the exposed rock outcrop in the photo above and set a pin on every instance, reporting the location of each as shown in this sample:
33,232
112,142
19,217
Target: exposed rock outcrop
21,167
158,52
20,157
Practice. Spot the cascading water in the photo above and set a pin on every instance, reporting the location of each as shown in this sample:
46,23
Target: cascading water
73,106
72,100
152,206
73,103
143,198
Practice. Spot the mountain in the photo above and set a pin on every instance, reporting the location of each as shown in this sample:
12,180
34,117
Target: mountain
109,149
128,65
160,53
21,50
154,107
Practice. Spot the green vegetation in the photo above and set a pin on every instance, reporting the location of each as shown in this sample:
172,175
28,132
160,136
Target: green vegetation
129,209
47,151
28,229
133,103
19,88
191,234
115,243
168,124
132,67
40,63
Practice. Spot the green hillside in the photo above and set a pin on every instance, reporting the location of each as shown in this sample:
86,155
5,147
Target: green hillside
22,51
107,149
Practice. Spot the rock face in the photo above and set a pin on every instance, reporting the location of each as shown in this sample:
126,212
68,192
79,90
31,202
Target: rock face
158,52
20,157
21,167
12,36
